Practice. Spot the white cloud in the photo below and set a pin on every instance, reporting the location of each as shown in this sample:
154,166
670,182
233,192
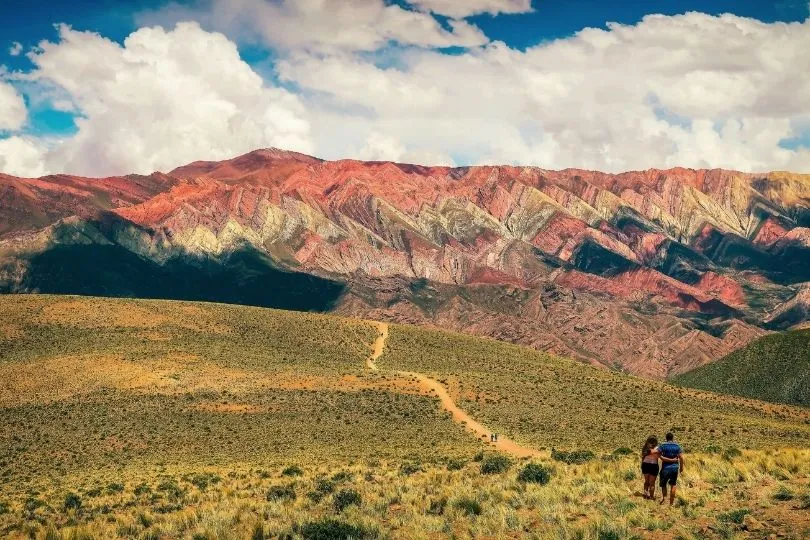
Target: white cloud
21,157
163,99
692,90
13,112
321,25
16,49
465,8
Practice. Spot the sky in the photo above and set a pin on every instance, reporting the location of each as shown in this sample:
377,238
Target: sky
106,87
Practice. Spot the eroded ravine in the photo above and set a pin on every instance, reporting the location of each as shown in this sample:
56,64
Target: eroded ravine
432,386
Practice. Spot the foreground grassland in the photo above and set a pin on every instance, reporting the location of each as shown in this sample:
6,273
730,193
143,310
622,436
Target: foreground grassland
155,419
773,368
548,402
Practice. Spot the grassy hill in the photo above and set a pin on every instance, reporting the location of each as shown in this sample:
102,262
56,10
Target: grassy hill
155,419
773,368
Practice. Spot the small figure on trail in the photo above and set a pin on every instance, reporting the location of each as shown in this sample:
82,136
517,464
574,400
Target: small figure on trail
495,435
491,437
649,466
672,463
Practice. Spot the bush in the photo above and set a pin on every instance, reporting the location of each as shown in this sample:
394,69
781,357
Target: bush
279,493
731,452
203,480
574,457
171,489
332,529
469,506
5,508
322,485
114,487
712,449
259,533
142,489
735,516
783,494
478,457
345,498
437,506
623,451
410,468
456,464
804,503
495,465
534,473
72,501
292,470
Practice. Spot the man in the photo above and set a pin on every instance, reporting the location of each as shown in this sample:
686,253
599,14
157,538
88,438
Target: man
671,465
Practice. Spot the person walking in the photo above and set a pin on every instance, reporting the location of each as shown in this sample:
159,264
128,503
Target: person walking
649,466
671,455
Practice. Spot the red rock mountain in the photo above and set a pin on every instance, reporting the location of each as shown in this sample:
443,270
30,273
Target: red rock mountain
655,272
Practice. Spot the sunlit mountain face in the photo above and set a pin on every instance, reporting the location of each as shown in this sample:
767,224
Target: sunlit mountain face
654,272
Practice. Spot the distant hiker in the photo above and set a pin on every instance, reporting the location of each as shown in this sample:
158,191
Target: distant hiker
649,466
495,436
671,465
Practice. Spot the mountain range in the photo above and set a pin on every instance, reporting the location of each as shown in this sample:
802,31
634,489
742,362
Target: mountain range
652,272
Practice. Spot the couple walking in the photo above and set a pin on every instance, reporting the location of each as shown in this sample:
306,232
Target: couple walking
670,455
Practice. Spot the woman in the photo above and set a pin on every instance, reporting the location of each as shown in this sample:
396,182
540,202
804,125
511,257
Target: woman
649,466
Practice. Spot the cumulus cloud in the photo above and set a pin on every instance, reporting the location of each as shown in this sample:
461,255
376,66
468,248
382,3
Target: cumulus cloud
22,156
465,8
693,90
13,112
321,25
163,99
16,49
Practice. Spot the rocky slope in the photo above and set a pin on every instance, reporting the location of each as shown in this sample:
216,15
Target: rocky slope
656,272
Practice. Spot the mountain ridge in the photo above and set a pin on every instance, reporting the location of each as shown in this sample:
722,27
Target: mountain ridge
581,263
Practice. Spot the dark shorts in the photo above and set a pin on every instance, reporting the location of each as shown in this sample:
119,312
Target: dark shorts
669,476
649,468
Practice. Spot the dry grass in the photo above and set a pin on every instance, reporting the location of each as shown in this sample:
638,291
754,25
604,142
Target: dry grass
179,420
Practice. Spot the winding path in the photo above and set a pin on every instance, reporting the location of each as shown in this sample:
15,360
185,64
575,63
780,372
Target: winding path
504,444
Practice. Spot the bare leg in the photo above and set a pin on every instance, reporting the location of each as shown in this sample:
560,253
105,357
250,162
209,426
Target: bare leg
652,487
672,495
663,493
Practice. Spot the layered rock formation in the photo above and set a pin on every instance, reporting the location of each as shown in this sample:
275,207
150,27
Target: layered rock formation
655,272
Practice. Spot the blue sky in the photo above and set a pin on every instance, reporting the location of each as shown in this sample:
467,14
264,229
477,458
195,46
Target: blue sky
281,61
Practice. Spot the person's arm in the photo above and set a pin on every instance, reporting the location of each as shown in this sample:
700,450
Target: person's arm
680,461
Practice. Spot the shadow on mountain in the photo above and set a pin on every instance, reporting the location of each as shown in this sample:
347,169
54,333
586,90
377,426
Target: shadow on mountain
245,276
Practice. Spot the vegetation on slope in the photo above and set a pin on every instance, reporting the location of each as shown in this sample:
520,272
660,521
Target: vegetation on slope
773,368
159,419
545,401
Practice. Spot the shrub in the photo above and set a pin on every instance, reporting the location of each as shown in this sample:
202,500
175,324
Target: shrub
114,487
469,506
279,493
456,464
783,494
72,501
332,529
142,489
534,473
495,465
574,457
712,449
342,476
94,492
437,506
623,451
171,489
735,516
323,486
410,468
804,503
731,452
345,498
292,470
478,457
5,508
258,532
203,480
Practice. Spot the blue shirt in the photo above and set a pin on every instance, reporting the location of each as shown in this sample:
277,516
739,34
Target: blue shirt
670,449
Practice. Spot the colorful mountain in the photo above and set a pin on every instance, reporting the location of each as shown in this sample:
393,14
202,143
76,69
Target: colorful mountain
654,272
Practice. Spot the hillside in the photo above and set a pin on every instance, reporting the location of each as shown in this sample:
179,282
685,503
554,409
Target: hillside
773,368
155,418
652,272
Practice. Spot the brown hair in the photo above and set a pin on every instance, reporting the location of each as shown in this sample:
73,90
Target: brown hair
651,443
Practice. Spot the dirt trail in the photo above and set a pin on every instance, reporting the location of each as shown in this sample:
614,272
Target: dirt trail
379,345
431,385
